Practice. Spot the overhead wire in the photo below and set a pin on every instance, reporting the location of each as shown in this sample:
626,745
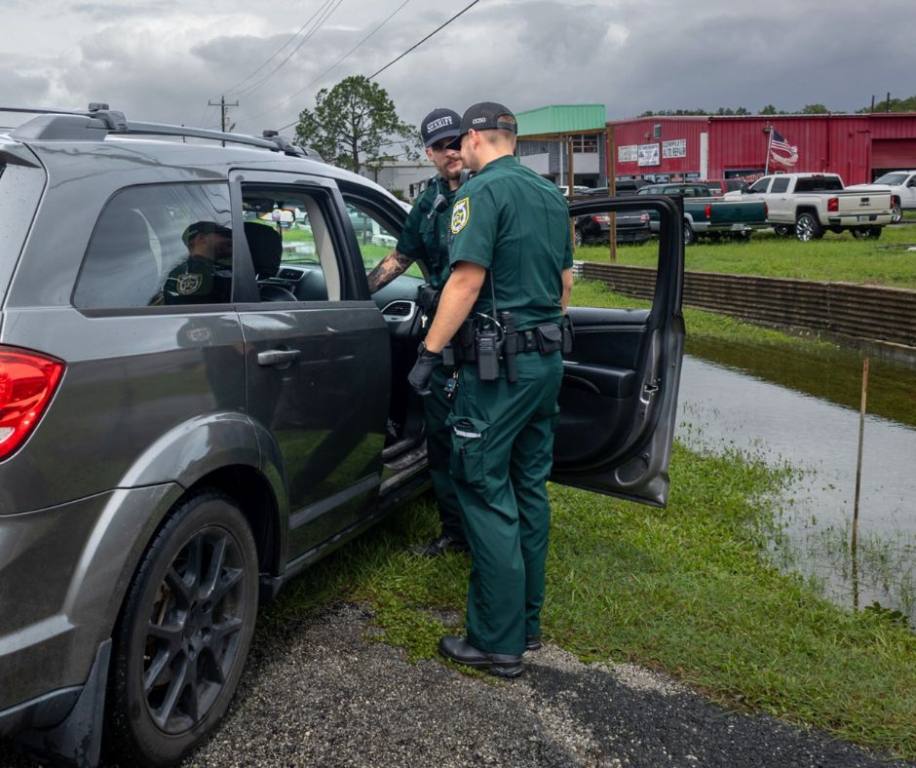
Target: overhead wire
331,6
418,44
412,48
290,39
342,59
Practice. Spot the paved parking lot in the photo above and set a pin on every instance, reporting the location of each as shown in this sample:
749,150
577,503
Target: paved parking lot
323,692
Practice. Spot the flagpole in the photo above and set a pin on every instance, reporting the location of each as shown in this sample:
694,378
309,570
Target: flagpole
766,165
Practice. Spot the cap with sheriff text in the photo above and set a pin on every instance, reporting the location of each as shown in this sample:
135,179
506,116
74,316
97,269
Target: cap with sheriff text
485,115
439,124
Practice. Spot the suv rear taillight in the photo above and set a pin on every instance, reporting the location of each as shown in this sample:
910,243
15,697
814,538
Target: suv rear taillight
766,210
833,204
27,384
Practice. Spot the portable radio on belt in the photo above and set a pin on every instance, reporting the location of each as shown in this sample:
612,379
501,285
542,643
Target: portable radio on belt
488,341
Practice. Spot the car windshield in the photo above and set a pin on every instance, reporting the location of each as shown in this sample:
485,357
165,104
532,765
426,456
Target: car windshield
891,179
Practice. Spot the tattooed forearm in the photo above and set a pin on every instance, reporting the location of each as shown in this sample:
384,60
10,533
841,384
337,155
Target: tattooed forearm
388,268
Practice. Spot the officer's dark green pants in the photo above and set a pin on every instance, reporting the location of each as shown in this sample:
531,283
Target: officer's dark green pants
439,447
502,452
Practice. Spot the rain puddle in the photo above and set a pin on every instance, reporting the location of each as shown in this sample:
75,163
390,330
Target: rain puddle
801,410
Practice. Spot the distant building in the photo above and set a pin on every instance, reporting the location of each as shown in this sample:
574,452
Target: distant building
857,147
543,142
403,178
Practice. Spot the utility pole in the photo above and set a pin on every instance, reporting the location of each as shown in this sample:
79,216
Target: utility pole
223,117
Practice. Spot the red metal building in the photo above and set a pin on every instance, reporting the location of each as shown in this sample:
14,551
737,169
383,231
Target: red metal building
858,147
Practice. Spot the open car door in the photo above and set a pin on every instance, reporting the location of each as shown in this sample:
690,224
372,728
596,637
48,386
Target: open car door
618,401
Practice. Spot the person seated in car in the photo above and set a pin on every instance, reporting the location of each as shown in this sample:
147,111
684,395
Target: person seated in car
206,276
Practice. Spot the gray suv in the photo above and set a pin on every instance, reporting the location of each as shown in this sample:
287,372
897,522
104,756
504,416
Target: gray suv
199,398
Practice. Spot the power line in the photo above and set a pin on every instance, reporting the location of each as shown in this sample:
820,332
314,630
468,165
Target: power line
327,10
342,59
277,52
417,45
412,48
332,6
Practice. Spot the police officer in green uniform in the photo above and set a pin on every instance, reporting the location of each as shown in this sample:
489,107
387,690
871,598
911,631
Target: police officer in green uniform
510,247
206,275
425,238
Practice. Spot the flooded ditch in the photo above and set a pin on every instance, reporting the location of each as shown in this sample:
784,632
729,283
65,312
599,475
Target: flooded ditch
800,410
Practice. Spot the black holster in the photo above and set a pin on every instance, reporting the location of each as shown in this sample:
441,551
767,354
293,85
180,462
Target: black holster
428,299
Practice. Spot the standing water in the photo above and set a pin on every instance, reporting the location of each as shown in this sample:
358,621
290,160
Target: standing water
803,412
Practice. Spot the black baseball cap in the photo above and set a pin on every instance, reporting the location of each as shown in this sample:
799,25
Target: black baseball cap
204,228
439,124
485,115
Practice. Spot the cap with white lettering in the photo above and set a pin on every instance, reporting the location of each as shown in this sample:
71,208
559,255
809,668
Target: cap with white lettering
485,117
439,124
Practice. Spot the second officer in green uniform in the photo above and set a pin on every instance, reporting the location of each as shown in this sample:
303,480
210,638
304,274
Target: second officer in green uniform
425,239
511,274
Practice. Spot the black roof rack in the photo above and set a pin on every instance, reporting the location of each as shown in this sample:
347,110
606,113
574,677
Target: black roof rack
99,121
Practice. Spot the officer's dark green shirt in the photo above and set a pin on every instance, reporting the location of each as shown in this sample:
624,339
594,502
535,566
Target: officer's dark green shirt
516,224
425,236
198,281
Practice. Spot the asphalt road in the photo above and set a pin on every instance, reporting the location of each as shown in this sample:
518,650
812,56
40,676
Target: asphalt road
324,693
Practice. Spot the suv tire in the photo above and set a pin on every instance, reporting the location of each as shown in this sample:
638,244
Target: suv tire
197,584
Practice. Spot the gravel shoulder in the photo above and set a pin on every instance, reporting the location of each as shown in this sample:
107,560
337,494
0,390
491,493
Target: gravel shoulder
323,692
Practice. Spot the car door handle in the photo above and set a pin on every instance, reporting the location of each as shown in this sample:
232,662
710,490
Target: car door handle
278,356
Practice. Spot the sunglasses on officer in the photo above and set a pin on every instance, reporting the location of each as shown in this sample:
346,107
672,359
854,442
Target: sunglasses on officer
445,144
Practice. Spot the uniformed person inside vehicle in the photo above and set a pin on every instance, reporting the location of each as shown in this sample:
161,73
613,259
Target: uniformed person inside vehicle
425,238
511,275
206,275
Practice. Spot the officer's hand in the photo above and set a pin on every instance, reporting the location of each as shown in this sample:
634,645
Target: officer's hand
422,370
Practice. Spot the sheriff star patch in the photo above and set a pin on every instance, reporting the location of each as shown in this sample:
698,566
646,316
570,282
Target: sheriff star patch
461,214
189,283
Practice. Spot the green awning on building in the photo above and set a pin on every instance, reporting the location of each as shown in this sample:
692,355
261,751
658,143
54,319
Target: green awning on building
561,118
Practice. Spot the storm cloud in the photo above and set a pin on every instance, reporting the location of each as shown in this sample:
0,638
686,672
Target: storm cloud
163,60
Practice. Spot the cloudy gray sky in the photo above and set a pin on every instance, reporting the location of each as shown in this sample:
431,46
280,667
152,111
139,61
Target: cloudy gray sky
163,60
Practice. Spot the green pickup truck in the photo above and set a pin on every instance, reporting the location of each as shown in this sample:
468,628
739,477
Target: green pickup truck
705,215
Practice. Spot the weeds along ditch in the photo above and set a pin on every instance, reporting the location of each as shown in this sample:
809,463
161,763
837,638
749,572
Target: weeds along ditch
793,401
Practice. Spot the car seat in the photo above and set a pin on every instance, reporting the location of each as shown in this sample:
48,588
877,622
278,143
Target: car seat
266,248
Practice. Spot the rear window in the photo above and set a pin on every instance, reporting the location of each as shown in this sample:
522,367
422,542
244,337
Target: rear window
158,245
819,184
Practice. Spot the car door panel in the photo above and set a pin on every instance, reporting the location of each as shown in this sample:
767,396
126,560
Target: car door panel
317,379
619,395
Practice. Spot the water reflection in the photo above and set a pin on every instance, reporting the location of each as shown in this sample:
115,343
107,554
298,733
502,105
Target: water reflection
724,408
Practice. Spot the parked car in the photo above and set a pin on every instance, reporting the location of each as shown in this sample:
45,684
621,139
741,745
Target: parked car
632,227
718,187
902,186
177,441
622,188
709,216
811,203
578,190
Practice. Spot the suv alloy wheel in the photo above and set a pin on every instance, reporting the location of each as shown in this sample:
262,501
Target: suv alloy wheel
184,633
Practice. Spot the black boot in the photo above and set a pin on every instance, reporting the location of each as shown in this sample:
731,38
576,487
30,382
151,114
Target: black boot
441,545
459,650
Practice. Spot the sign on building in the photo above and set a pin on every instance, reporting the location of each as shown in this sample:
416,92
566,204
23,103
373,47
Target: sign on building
674,148
648,154
627,153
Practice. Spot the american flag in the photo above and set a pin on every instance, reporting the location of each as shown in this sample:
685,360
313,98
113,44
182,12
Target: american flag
780,150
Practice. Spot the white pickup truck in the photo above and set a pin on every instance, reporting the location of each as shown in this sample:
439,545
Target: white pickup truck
811,203
902,185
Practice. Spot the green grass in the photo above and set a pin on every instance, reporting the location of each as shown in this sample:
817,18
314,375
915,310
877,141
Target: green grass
835,258
805,363
685,589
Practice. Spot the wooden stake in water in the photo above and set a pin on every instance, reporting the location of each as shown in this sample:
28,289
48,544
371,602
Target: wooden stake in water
854,546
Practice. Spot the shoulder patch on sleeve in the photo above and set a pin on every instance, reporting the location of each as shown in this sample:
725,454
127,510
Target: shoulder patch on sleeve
461,214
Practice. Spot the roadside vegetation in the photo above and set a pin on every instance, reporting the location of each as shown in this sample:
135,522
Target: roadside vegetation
686,590
841,258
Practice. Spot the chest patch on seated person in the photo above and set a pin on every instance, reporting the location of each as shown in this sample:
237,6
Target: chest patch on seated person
189,283
461,214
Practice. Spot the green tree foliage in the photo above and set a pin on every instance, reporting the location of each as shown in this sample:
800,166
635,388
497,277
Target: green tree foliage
814,109
355,125
895,105
769,109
